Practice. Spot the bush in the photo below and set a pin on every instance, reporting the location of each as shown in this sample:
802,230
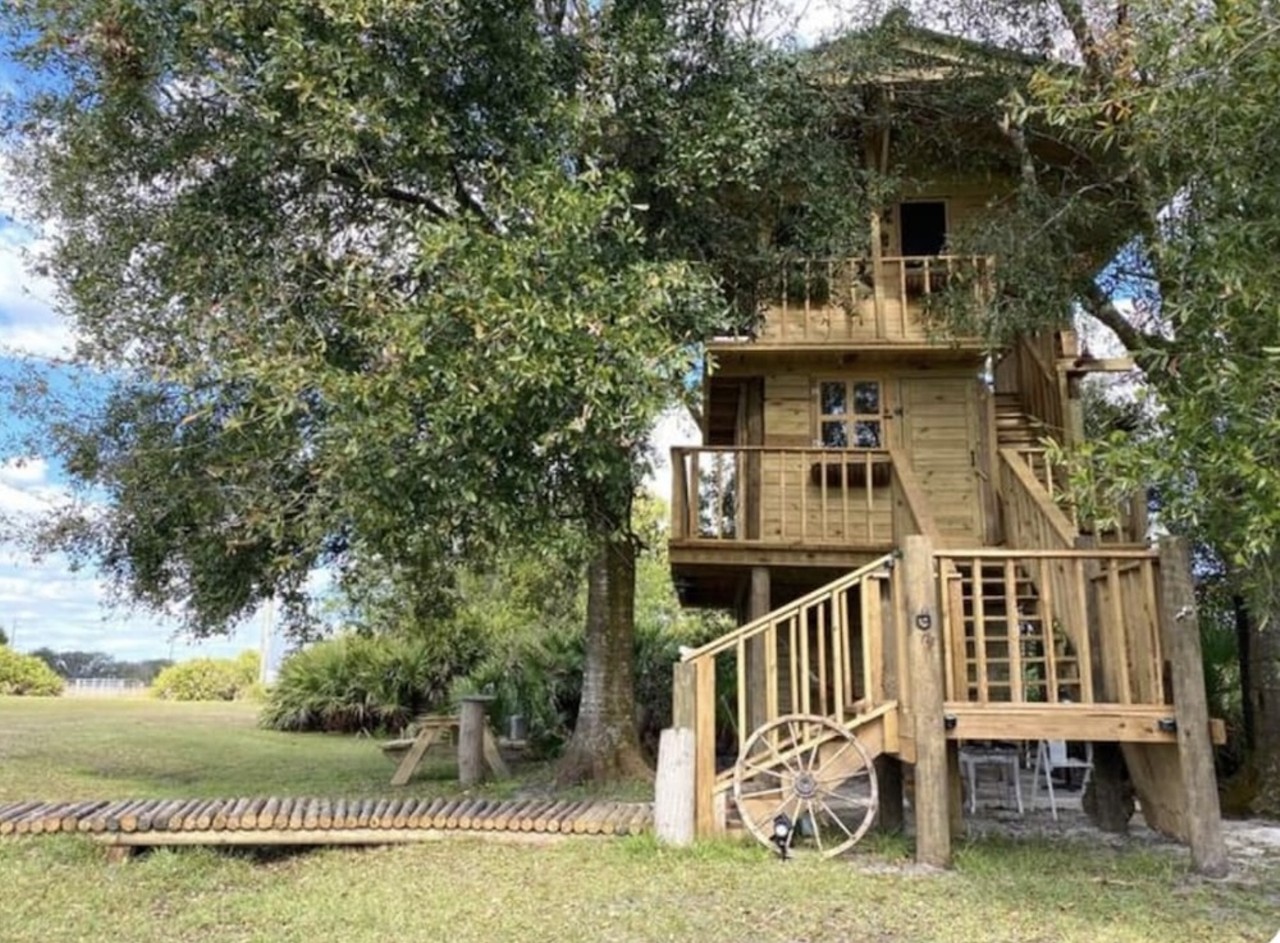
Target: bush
365,683
208,679
27,675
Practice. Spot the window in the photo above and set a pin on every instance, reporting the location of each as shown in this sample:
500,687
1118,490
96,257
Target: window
850,414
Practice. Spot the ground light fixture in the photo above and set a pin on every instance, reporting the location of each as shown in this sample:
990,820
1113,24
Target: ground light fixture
782,834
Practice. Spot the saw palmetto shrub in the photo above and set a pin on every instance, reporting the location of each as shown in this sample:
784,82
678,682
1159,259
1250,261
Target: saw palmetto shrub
27,675
365,683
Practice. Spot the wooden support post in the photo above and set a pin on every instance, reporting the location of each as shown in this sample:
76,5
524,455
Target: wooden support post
955,791
673,794
924,648
890,818
704,728
682,692
471,728
758,605
1108,799
1195,752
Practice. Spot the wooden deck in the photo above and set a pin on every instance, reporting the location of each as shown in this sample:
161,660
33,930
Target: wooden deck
309,821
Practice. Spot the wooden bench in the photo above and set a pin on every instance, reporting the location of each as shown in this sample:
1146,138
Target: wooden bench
430,729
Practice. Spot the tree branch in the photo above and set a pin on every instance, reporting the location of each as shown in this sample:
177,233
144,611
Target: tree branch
1104,310
392,192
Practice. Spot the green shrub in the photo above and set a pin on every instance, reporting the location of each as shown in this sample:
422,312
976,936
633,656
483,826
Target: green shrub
365,683
208,679
27,675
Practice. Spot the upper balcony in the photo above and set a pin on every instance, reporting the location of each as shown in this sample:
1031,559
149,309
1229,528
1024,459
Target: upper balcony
893,301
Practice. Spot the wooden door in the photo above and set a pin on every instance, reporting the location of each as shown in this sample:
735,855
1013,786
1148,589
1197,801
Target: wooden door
938,429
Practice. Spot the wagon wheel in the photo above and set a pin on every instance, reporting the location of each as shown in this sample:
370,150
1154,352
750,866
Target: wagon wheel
816,774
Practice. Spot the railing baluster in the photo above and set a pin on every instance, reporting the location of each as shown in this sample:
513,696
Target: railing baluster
1084,650
825,532
804,499
1151,599
844,498
837,660
842,599
808,296
1013,629
1050,634
695,493
793,663
980,632
1120,642
805,686
867,484
771,673
824,707
743,709
782,495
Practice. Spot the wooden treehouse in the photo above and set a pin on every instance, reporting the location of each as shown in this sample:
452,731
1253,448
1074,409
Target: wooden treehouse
875,500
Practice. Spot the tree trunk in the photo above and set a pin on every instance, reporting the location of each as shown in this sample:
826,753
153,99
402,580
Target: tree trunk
1263,696
1244,647
605,745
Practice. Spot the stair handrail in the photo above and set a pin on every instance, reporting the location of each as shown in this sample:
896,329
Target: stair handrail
907,486
761,625
1051,516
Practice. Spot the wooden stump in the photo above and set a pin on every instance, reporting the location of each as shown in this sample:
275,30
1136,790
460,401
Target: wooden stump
471,728
674,790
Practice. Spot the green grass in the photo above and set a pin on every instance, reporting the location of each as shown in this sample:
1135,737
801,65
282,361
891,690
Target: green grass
60,889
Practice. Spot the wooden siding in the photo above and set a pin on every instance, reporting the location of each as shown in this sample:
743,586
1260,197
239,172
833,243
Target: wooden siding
939,431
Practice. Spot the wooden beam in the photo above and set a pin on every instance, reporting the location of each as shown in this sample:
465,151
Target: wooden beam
1181,626
1118,723
933,829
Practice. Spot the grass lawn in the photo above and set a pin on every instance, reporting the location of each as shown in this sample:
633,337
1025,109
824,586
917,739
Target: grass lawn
60,888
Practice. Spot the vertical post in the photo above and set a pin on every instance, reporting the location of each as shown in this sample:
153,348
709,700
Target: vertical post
704,702
924,652
758,606
673,794
471,767
1191,709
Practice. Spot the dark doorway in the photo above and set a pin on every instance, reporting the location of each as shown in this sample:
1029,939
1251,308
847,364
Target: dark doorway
923,228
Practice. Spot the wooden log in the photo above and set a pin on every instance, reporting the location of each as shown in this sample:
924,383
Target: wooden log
925,652
471,726
562,819
147,816
472,816
132,820
413,816
441,813
168,818
50,820
674,788
311,814
456,815
281,819
324,813
266,817
388,818
190,821
124,818
235,814
1181,628
12,813
529,815
510,813
23,824
426,812
400,815
205,814
71,821
221,814
249,821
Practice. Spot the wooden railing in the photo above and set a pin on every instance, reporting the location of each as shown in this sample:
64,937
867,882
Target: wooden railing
1126,524
1054,626
823,654
1030,369
831,300
762,494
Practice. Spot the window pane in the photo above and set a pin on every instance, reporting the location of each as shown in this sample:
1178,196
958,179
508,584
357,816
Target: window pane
866,397
867,434
833,397
834,435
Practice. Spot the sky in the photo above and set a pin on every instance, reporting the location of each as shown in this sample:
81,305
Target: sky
44,602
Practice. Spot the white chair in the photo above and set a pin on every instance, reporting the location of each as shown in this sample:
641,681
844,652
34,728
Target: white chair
1006,760
1051,755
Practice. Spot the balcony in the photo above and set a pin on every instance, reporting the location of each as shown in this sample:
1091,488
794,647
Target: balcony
862,301
733,499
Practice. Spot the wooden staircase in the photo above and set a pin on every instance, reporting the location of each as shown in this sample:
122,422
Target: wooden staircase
1014,428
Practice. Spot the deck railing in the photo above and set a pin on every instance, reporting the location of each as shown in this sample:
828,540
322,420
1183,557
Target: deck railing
821,654
1049,627
763,494
834,299
1126,524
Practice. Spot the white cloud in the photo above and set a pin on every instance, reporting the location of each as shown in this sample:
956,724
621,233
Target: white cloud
28,322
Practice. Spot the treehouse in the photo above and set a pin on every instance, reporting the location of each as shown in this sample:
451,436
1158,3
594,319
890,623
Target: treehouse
874,496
